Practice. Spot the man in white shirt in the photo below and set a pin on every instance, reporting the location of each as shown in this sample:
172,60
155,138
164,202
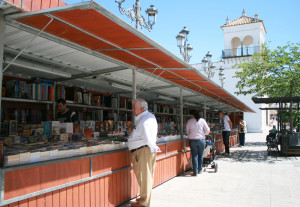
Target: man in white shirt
143,148
226,131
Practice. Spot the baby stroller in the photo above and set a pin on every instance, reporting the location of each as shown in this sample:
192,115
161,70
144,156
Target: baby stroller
210,154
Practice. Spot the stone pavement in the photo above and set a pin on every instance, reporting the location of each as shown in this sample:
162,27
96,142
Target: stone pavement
248,177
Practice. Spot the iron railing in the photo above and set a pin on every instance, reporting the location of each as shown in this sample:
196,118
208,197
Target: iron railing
240,52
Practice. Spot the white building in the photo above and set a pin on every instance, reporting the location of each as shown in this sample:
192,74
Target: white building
242,38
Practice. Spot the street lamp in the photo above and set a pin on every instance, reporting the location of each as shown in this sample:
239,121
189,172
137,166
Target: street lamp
135,15
185,49
208,66
221,76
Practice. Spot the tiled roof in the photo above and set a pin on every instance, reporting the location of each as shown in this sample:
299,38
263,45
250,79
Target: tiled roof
242,20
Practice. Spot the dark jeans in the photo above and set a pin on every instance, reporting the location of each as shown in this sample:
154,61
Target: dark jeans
226,135
197,147
242,139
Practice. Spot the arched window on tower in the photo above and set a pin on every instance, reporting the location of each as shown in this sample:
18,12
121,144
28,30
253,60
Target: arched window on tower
248,46
236,45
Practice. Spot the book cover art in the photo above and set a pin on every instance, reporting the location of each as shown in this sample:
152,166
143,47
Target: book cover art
47,128
22,90
64,137
69,127
90,124
13,126
82,126
97,126
97,100
55,128
88,132
123,103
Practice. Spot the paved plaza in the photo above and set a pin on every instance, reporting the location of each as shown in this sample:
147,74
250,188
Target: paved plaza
248,177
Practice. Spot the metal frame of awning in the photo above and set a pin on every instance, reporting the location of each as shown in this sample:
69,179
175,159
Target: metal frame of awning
142,57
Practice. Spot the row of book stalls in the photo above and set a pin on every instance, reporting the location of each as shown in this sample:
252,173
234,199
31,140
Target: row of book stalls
43,149
87,163
32,134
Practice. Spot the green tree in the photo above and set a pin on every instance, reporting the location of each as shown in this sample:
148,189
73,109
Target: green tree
275,73
272,73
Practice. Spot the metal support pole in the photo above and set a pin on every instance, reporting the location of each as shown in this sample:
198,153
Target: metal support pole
54,100
2,31
234,118
181,114
204,115
133,92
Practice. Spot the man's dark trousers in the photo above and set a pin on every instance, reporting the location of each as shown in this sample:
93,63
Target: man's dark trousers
226,135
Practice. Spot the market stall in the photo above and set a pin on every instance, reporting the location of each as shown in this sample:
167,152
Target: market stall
287,137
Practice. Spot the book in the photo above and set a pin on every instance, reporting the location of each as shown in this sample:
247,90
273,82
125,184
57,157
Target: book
82,126
22,90
69,127
47,128
13,125
12,88
97,126
97,100
123,103
55,128
90,124
64,137
114,102
88,132
78,95
87,98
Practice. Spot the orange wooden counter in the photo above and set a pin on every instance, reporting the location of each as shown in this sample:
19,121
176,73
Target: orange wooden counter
220,147
100,179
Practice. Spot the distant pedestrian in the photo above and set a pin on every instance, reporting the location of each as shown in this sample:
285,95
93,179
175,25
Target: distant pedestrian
196,129
242,131
226,130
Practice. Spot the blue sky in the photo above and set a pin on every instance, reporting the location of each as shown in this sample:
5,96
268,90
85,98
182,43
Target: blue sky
204,18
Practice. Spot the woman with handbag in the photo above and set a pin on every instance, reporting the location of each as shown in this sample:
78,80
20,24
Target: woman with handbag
242,131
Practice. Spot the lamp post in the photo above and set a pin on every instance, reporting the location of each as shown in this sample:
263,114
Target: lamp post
221,76
185,49
135,15
208,66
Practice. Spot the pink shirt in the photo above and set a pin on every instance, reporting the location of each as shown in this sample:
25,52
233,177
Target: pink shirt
196,130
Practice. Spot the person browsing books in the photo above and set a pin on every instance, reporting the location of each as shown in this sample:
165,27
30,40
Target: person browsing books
226,130
65,114
196,129
143,149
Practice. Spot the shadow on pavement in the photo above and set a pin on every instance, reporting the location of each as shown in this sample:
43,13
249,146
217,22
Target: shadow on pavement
254,152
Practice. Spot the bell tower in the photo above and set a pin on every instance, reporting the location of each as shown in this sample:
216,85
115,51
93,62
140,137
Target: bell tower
243,36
